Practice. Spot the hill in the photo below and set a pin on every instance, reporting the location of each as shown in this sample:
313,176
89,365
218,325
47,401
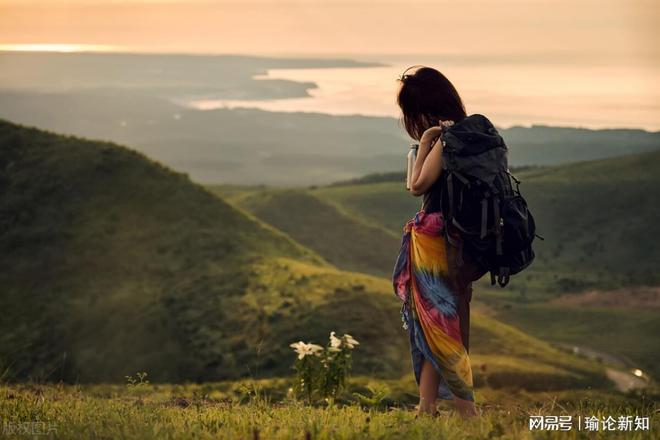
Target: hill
598,219
325,228
113,264
596,216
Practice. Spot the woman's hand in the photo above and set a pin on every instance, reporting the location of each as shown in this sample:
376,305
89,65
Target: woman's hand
430,134
428,165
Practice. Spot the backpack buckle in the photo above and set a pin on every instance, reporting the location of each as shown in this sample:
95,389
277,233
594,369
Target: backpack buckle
503,276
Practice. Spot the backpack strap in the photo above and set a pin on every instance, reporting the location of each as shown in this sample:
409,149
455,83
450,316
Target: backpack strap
484,215
450,194
511,176
503,271
498,225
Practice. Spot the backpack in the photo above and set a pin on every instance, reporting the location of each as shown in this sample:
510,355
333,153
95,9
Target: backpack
485,217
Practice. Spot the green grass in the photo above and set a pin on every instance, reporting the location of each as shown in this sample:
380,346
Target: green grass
264,410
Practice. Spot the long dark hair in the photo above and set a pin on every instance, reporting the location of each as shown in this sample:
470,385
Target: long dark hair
426,97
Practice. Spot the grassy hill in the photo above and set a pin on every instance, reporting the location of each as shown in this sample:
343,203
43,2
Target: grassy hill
113,264
599,220
325,228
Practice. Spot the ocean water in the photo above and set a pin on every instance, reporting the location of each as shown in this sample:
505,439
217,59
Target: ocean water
592,92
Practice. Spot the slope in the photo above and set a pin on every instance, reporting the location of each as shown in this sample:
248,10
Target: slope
597,218
114,264
323,227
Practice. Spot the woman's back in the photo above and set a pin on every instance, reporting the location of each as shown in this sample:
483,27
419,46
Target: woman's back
432,197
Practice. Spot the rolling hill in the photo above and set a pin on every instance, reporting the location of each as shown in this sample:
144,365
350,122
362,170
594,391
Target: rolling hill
597,217
114,264
325,228
599,220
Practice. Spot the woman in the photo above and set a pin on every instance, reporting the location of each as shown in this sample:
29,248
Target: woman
436,296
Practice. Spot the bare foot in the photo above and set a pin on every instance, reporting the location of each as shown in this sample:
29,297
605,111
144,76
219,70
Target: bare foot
426,411
466,408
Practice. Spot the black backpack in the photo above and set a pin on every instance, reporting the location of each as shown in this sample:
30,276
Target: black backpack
485,217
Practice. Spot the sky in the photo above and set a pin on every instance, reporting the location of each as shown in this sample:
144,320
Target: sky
594,29
573,62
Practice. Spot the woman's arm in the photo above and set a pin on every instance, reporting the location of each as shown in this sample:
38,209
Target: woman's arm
428,164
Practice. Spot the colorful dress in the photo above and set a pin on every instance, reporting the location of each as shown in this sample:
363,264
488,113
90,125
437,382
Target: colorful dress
434,305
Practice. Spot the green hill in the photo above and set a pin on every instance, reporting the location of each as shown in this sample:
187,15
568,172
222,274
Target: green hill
323,227
599,220
113,264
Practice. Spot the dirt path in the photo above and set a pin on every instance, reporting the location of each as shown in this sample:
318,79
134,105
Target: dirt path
625,381
619,370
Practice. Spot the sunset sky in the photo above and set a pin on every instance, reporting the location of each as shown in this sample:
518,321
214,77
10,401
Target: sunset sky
595,29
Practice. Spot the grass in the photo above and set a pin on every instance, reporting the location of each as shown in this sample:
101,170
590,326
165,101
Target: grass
256,410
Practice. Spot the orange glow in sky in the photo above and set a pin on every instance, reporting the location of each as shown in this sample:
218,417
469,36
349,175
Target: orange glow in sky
592,62
514,27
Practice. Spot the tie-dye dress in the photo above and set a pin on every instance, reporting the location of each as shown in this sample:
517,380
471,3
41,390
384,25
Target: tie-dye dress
431,302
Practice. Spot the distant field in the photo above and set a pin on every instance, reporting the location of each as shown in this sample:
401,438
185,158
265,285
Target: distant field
138,100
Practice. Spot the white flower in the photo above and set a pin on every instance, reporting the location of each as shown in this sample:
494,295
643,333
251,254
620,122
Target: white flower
335,342
350,341
305,349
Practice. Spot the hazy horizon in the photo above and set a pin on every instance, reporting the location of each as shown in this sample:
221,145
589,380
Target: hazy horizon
522,90
592,64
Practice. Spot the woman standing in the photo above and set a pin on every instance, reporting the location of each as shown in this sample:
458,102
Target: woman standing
436,296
